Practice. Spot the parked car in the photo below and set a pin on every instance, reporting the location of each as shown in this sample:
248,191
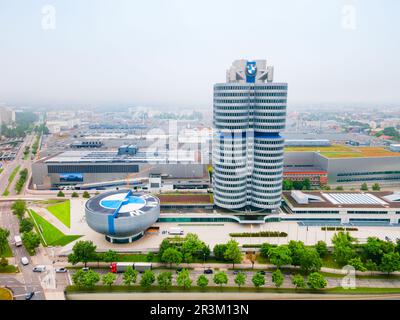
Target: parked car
388,239
236,271
29,295
39,268
208,271
85,269
61,270
179,269
262,272
24,261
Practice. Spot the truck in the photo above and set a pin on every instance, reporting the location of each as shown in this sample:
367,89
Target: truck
117,267
142,266
18,240
175,231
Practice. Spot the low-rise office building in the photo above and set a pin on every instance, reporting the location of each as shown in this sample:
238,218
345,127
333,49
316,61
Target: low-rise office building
90,167
369,208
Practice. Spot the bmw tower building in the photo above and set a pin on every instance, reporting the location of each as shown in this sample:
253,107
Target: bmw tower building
249,115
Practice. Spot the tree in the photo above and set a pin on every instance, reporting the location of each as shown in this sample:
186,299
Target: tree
202,281
164,280
296,248
343,249
147,279
192,247
376,187
357,264
183,279
91,278
310,260
264,250
109,256
219,251
172,255
78,278
108,279
390,262
321,248
258,280
220,278
298,281
307,184
240,279
316,281
60,194
364,187
280,256
149,256
85,278
232,252
25,225
129,276
86,195
3,262
251,256
74,195
277,278
287,184
82,251
31,241
4,233
18,208
375,248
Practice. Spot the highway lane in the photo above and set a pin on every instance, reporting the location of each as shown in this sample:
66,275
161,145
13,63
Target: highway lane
26,280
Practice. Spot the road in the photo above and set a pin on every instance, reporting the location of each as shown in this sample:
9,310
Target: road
26,280
10,166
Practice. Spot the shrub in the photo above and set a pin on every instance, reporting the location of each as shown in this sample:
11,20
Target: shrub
60,194
86,195
74,195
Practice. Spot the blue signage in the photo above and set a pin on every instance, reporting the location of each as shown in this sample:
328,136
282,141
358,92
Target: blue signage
251,70
71,177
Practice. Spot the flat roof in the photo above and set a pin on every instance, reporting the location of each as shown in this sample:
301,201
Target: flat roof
346,199
342,151
113,156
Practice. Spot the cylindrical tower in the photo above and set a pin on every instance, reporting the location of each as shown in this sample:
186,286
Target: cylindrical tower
249,114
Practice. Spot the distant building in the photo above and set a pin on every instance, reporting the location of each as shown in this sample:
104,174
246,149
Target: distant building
86,144
307,143
318,178
7,115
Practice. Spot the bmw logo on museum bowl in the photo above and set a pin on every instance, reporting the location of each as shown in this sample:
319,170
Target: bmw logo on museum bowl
251,70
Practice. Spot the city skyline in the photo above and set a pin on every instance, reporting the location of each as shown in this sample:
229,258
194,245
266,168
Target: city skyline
336,53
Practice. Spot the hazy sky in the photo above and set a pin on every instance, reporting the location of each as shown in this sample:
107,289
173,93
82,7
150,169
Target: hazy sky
170,53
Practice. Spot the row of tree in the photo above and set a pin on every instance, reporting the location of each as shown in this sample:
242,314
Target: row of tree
30,239
164,279
375,254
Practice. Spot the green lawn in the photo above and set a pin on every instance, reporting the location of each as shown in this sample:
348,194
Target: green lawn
155,288
8,269
62,212
52,236
8,253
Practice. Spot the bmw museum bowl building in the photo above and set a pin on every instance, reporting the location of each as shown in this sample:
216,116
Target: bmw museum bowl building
122,215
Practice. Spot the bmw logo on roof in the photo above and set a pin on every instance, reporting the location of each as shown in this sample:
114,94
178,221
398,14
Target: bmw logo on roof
251,70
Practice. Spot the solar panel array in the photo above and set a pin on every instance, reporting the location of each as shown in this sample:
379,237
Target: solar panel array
353,198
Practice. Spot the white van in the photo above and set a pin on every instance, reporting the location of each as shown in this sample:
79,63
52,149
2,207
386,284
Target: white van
18,240
40,268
